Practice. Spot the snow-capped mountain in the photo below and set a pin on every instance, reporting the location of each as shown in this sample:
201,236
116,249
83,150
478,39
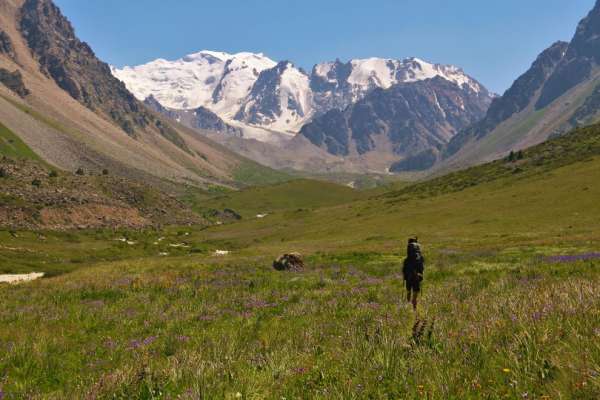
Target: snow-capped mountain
252,89
218,81
337,85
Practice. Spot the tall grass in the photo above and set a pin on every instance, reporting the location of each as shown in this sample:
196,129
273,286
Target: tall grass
179,329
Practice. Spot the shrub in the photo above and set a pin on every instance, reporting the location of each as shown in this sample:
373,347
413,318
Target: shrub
53,174
104,171
36,183
80,171
512,157
3,173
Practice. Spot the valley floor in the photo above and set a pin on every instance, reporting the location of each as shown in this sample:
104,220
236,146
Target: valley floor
492,325
152,314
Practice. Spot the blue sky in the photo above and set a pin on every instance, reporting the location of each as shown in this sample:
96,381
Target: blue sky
494,41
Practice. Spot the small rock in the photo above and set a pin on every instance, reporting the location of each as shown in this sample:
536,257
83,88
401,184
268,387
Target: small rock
289,262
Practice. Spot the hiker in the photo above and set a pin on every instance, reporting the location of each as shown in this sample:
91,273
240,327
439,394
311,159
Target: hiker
414,265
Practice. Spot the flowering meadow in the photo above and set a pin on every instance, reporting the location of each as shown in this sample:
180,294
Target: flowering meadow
338,330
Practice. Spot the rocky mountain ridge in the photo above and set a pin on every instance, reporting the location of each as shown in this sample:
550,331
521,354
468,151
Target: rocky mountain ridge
255,90
559,92
405,119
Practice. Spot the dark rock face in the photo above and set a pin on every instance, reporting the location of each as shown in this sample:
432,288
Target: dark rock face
74,67
205,119
264,106
587,110
330,132
6,46
200,118
13,81
581,56
334,91
520,94
413,117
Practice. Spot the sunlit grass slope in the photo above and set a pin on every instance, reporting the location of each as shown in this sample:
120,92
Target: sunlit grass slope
293,195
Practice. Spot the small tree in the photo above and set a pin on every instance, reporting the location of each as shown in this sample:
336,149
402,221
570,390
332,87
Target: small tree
520,155
80,171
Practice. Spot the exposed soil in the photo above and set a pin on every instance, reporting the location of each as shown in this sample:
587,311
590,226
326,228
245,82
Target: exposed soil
32,196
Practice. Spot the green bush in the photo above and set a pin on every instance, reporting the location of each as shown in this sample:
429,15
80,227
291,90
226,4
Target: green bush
53,174
36,183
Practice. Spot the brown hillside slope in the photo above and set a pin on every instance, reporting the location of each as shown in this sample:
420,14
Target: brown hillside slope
78,115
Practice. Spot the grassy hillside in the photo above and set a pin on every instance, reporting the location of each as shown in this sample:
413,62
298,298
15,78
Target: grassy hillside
580,145
291,195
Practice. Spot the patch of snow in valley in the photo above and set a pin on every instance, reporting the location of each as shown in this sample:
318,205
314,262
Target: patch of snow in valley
14,279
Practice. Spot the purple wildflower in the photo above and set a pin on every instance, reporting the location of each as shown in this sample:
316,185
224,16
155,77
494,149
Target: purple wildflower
258,304
149,340
136,343
562,259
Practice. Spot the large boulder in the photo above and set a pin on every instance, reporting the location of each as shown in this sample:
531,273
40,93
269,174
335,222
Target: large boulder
289,262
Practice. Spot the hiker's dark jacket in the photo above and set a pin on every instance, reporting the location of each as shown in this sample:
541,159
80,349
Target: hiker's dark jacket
414,264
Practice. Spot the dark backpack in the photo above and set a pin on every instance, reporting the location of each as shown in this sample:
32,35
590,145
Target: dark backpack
414,264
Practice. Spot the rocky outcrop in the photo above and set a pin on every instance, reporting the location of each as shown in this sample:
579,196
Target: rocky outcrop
6,46
289,262
582,55
516,99
13,81
199,118
74,66
413,117
35,197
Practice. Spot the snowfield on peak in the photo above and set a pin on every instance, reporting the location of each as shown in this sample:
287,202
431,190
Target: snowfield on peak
215,80
253,90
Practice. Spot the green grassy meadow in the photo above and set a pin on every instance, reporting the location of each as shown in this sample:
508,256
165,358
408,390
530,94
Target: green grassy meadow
155,314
